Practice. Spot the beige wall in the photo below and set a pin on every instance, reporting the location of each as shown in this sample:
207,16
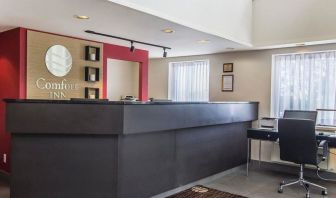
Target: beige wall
248,68
252,74
38,44
122,79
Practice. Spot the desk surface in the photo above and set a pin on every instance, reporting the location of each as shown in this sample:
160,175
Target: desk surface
272,135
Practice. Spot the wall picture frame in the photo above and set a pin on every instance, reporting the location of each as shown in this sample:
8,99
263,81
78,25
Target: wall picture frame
227,83
227,67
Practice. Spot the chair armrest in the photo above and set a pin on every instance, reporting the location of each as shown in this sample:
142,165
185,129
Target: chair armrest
324,145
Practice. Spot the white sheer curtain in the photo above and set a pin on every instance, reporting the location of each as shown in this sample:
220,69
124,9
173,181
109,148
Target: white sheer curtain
305,81
189,81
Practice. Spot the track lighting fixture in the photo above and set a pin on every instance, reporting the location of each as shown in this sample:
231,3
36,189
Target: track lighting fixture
132,48
164,52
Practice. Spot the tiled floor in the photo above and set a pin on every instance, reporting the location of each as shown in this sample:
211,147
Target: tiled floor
260,184
4,190
264,184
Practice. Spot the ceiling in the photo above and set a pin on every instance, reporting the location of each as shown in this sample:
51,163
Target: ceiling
109,18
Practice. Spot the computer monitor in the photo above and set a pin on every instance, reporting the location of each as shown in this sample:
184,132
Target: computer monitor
311,115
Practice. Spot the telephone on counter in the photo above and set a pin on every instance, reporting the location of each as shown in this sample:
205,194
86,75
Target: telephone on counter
129,98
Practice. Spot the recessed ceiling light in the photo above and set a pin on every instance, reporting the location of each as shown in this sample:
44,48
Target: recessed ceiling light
81,17
203,41
168,30
300,44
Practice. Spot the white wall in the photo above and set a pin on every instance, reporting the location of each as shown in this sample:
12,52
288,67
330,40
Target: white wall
252,80
122,79
277,22
230,19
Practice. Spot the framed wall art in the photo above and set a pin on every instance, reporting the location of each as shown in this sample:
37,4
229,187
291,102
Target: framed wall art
227,82
227,67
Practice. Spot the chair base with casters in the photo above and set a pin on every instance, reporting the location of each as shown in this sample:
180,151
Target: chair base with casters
304,183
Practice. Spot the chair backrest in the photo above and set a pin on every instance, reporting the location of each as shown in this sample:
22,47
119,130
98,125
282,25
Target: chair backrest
298,114
297,141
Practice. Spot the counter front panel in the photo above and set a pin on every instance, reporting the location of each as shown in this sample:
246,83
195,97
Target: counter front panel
121,150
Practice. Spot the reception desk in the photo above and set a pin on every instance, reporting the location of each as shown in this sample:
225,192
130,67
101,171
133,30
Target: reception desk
94,149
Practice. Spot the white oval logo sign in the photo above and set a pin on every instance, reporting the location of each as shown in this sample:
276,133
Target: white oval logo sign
58,60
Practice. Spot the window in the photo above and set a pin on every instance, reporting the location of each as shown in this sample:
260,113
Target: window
305,81
189,81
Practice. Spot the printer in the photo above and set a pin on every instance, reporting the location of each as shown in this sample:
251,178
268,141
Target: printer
268,123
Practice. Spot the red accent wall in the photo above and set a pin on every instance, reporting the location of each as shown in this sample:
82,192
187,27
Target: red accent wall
13,46
124,53
12,80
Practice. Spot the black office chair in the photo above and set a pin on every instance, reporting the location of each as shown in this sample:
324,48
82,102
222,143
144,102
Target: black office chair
299,114
298,144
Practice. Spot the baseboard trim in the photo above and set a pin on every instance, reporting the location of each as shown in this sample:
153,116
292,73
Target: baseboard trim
199,182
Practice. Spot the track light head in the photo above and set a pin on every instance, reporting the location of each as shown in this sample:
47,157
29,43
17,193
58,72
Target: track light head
132,48
164,53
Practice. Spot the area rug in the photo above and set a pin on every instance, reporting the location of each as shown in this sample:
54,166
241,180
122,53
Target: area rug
204,192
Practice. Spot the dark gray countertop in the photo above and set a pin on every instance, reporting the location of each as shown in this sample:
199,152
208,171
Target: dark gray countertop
95,117
91,101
